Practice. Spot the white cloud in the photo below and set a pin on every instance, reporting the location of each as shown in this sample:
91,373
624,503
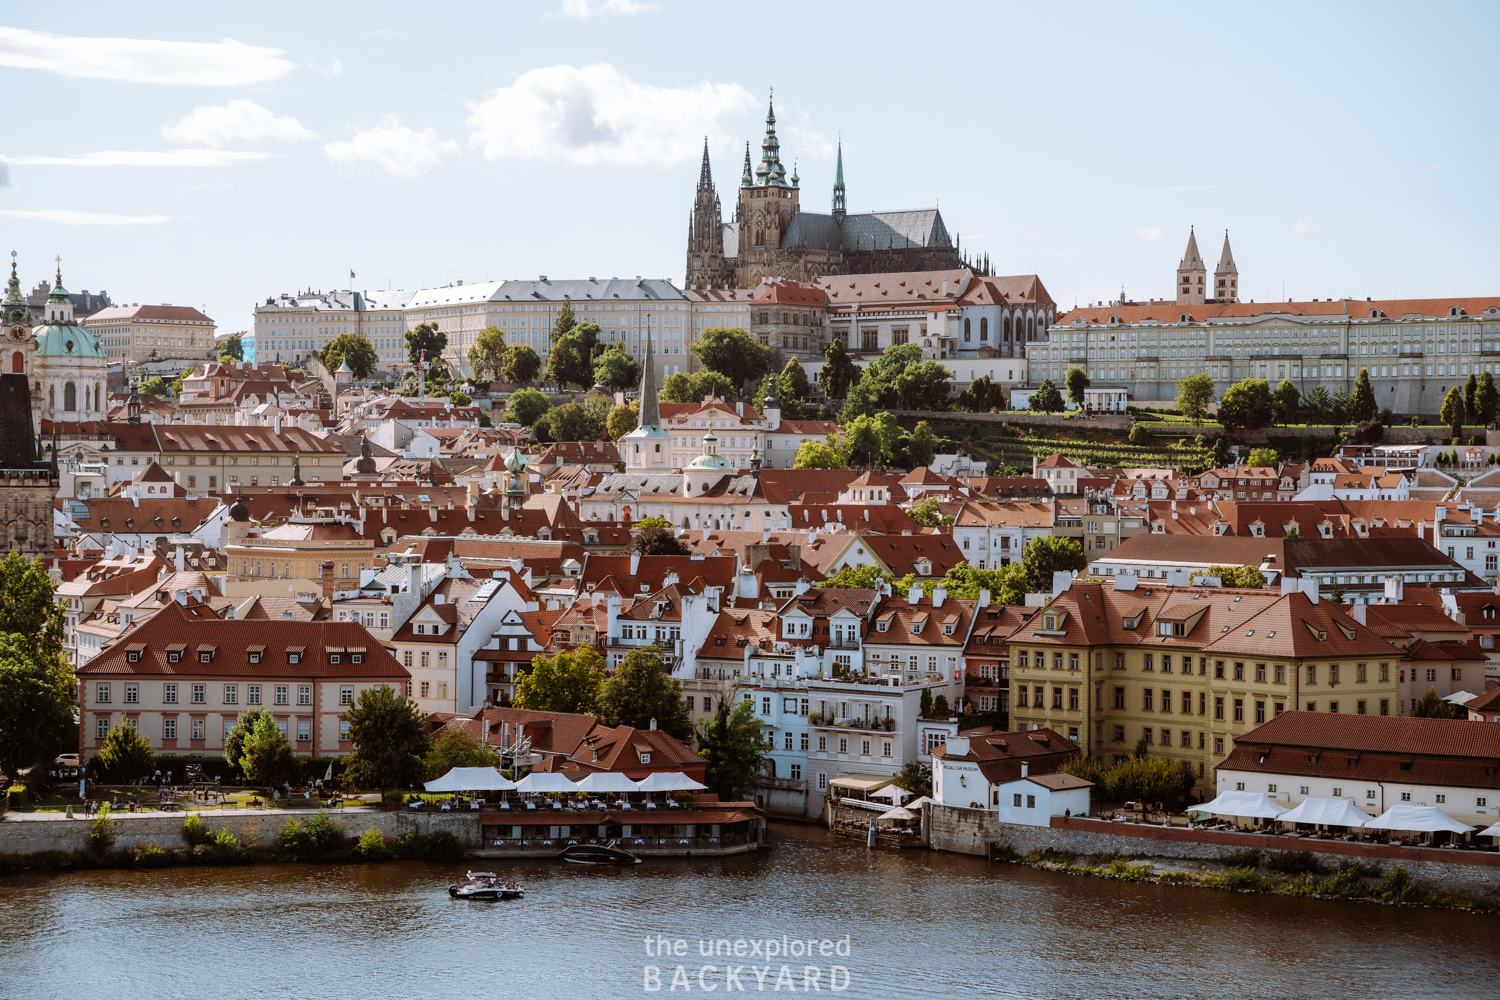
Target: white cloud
807,139
582,10
595,115
1152,234
225,63
4,172
144,158
215,126
326,67
401,151
1302,227
65,217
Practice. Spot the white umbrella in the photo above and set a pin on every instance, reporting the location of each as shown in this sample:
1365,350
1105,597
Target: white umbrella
1326,812
900,812
545,781
669,781
471,779
1417,819
1254,804
607,781
1489,831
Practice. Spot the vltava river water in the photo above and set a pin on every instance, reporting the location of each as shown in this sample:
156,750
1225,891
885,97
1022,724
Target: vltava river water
918,925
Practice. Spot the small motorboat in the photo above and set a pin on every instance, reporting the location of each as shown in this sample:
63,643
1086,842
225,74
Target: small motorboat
486,885
598,854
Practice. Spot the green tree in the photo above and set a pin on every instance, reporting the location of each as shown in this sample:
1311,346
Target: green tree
655,537
154,386
267,756
565,322
459,398
1083,766
616,370
1265,458
922,448
234,346
1431,706
525,406
29,609
734,748
1340,408
623,419
1286,401
1471,393
571,360
838,373
1246,405
791,406
522,365
1486,400
1139,436
817,455
125,756
353,348
234,740
982,396
456,748
569,681
1149,779
862,447
1362,402
1006,584
36,709
488,356
1320,405
179,380
424,340
573,422
1194,394
1047,555
1452,412
857,578
928,514
924,703
915,777
389,739
683,387
732,353
1047,399
924,386
1077,381
641,690
1249,577
793,382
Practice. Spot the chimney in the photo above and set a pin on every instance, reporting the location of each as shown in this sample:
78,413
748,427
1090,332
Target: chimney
635,563
939,594
1393,589
181,557
914,595
803,587
437,599
984,599
181,597
653,723
1025,769
1357,612
286,616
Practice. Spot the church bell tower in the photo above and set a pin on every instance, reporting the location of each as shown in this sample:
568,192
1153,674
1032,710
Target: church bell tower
28,480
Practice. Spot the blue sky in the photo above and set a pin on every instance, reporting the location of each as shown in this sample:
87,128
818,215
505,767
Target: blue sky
212,155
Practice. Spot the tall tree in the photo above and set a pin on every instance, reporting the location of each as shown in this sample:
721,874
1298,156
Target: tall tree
1452,413
1247,405
734,748
922,448
924,386
569,681
234,740
1077,381
267,756
928,513
1471,392
732,353
565,321
794,383
1047,399
1362,401
456,748
572,422
1194,394
233,346
862,446
424,340
1487,400
1432,706
653,536
615,369
643,689
1050,554
353,348
28,608
1320,405
525,406
866,577
1263,458
522,364
389,739
570,361
125,756
1285,402
623,419
786,398
489,354
838,371
817,455
36,706
983,396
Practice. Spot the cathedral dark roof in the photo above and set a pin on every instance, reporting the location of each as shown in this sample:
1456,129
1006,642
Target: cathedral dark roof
871,231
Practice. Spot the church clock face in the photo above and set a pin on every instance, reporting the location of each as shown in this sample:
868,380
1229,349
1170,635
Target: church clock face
17,334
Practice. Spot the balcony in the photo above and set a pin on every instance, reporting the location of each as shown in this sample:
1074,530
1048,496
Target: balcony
844,642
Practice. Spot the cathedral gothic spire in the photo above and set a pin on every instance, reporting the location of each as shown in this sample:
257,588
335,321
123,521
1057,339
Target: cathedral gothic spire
770,173
840,209
705,174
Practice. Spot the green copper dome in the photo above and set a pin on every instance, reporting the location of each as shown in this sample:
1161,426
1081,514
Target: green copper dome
66,340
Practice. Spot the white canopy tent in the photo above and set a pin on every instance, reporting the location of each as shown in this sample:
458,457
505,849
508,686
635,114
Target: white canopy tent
602,782
1254,804
545,781
1326,812
1417,819
894,794
1489,831
471,779
899,813
668,781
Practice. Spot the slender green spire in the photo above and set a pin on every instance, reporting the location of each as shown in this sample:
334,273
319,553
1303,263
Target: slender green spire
839,206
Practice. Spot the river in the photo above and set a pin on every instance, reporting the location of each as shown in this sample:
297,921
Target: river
919,924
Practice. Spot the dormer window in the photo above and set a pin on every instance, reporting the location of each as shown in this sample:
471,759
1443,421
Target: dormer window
1049,623
645,757
335,657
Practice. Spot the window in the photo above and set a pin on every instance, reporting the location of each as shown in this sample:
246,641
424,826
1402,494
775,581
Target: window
252,694
1072,699
1146,700
1359,672
1260,712
1312,674
1119,734
304,694
231,694
843,746
169,729
822,744
885,749
294,658
304,729
1016,800
1219,708
281,694
1260,673
1146,734
132,694
804,741
346,694
1239,671
1239,710
200,694
101,727
1280,673
198,727
1119,697
101,694
1150,663
1057,696
343,730
1031,802
255,656
1219,745
427,691
169,694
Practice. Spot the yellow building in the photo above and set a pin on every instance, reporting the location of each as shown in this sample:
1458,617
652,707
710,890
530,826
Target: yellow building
308,557
1189,669
143,333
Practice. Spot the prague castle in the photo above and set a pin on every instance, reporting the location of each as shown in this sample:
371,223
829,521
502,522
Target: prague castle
771,236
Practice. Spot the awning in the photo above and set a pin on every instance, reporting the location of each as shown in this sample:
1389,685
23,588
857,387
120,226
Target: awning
1254,804
607,781
668,781
861,784
470,779
545,781
1326,812
898,813
1417,819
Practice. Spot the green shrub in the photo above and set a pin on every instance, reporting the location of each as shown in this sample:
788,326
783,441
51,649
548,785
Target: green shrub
439,845
151,856
228,845
1344,882
1053,856
371,846
1399,887
102,832
1237,878
194,832
314,839
1122,870
1248,857
1294,863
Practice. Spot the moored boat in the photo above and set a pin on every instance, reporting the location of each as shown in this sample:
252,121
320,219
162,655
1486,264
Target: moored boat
598,854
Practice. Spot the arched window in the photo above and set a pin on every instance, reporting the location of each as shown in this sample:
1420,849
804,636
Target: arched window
1030,327
18,363
52,396
966,329
984,328
1005,328
70,396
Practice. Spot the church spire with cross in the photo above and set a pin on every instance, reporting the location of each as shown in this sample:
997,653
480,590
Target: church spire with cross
840,207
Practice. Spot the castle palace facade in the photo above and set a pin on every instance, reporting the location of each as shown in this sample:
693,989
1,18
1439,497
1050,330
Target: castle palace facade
771,236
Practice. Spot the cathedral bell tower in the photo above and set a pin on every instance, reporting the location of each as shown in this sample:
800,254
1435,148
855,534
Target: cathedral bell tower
768,200
28,481
706,265
1192,275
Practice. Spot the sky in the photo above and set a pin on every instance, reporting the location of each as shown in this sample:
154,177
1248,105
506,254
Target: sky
214,155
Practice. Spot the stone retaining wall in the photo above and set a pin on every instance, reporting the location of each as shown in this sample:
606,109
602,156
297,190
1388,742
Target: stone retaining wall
975,831
29,834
